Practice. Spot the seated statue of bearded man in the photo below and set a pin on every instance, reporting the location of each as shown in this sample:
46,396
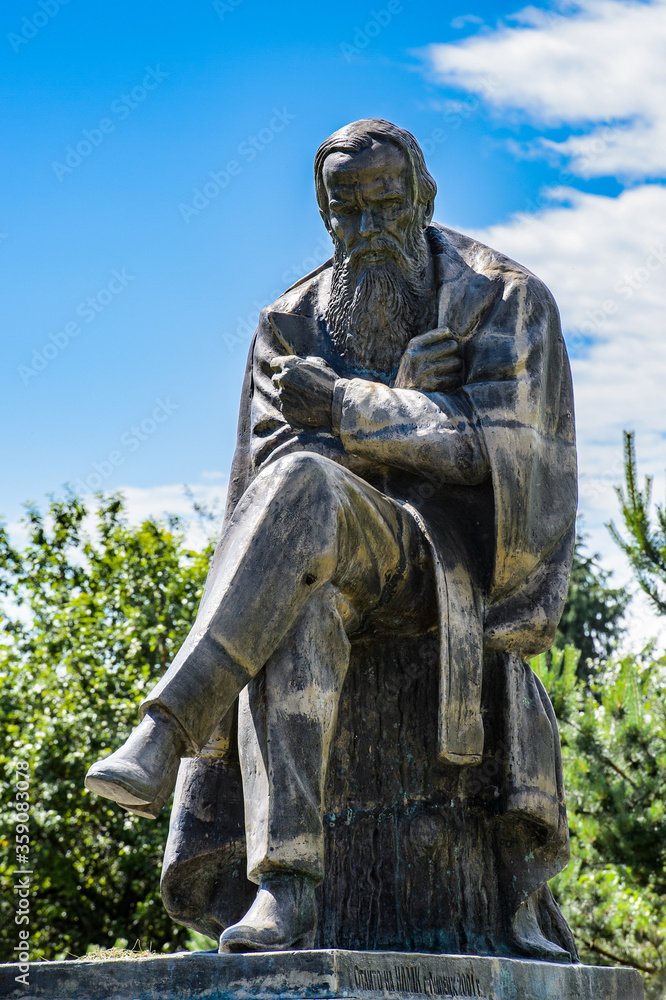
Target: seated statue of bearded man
405,466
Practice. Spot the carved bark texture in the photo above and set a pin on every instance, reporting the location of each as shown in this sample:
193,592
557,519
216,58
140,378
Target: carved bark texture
421,855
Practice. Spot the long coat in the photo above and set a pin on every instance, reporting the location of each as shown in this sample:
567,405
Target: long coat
502,547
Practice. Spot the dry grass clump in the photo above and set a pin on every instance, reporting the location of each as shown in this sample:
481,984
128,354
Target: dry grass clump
119,950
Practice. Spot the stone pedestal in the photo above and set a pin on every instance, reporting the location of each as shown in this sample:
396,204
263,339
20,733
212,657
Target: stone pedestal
318,975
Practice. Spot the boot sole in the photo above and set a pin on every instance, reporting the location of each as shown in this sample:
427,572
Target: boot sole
303,943
116,789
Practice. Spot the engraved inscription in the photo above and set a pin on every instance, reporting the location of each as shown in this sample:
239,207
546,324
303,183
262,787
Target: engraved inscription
374,979
465,984
412,979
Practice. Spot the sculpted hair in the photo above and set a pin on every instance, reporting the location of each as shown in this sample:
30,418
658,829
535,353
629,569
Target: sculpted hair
359,135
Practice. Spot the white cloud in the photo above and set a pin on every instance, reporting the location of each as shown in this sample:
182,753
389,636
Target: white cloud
464,19
603,66
605,261
158,501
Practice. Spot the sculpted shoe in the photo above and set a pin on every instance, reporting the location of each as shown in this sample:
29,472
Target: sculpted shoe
142,773
283,916
154,808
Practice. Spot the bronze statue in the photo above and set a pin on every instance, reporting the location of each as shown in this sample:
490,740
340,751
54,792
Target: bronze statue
402,498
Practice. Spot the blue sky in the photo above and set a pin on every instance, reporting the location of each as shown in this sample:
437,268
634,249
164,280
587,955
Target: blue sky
127,299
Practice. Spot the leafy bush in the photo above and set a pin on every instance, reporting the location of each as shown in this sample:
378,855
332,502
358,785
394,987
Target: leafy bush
90,621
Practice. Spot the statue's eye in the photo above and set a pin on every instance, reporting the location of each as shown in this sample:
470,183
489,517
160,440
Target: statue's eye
391,206
341,208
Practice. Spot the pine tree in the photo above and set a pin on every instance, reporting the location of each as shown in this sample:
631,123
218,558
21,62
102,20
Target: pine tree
646,545
614,752
592,616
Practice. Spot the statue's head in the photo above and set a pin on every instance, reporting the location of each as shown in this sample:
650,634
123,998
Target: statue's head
376,198
371,179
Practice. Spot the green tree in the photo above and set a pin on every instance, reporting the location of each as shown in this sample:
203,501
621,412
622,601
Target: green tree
592,617
91,620
614,752
646,545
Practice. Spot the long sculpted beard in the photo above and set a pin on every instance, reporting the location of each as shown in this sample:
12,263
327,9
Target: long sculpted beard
376,308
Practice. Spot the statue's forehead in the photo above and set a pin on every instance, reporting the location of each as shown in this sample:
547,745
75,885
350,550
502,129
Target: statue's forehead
383,163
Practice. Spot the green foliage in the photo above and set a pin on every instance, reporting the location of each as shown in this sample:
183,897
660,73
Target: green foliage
200,942
646,545
90,623
92,618
592,615
614,752
558,673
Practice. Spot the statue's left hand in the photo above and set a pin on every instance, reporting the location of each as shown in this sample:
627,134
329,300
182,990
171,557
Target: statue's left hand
306,388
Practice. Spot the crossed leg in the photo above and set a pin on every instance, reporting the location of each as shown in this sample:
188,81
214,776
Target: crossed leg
304,528
311,555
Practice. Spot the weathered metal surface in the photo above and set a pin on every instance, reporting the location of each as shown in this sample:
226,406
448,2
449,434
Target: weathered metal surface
319,975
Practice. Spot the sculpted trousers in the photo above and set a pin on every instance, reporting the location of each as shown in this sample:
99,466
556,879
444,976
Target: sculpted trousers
311,557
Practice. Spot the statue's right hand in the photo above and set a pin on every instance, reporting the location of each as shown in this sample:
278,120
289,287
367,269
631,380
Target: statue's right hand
431,362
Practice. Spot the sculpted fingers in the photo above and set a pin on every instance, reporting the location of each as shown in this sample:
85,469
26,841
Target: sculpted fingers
304,389
432,362
440,353
444,366
443,383
439,378
433,347
428,365
432,336
440,338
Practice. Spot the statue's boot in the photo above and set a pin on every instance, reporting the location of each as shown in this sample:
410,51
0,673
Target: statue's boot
529,939
152,809
282,917
142,772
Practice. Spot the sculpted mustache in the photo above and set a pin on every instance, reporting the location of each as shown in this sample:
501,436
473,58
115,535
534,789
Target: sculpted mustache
379,245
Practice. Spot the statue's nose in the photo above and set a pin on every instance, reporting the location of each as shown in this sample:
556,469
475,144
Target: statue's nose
368,224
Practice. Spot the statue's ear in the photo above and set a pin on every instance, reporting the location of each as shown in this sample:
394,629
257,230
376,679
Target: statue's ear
427,212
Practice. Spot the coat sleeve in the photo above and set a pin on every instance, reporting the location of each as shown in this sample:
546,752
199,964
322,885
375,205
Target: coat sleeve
270,435
435,435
